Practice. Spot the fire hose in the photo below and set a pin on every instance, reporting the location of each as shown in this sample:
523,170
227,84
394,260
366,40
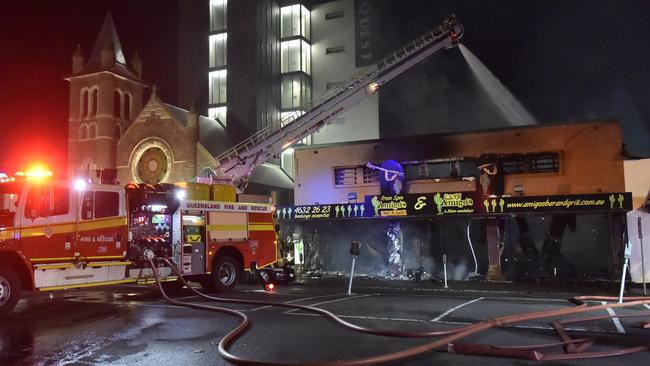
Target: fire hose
574,347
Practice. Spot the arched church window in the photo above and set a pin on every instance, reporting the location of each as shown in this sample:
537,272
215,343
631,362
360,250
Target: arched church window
83,132
127,106
92,131
84,103
93,103
117,104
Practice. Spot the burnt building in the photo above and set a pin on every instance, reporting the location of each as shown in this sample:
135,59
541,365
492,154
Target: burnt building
534,201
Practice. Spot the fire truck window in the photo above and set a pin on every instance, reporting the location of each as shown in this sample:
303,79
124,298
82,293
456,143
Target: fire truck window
33,203
60,201
107,204
87,204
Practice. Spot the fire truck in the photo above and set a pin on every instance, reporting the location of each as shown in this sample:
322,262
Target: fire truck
58,235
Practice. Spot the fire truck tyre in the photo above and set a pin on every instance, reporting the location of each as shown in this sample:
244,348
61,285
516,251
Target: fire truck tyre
9,291
225,273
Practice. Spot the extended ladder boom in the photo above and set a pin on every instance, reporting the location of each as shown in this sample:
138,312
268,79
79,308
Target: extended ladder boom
238,163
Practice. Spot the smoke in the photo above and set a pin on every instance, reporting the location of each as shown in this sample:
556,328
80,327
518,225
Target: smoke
514,112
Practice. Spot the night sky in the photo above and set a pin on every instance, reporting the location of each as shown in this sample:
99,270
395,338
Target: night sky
564,60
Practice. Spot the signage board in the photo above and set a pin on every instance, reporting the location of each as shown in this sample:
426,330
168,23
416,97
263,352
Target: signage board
468,203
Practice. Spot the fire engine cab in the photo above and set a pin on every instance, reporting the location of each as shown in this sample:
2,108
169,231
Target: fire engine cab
60,235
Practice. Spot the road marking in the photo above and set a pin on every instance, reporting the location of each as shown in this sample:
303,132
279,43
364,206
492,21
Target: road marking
647,306
331,301
575,329
298,300
617,321
455,308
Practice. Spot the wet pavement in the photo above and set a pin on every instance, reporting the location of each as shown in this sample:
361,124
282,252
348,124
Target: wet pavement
127,325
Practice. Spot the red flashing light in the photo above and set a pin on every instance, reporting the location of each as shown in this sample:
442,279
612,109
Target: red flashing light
269,287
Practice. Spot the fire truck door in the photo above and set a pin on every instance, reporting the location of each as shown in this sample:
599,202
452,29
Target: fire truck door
194,234
101,228
46,224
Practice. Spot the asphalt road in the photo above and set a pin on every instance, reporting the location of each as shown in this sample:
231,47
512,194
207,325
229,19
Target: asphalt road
128,325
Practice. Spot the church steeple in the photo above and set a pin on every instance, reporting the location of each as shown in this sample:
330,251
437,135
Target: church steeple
105,97
107,44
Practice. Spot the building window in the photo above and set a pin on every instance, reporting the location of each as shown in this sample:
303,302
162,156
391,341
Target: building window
117,104
336,49
545,163
296,91
531,163
84,103
218,113
352,176
218,47
334,15
83,132
217,92
218,15
128,105
295,21
295,56
93,102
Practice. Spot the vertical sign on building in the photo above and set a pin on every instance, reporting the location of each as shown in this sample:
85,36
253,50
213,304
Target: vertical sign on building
365,23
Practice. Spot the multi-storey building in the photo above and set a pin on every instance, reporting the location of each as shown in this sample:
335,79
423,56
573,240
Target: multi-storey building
267,59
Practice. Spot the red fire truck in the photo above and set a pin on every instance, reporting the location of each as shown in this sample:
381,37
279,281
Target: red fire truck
60,235
54,235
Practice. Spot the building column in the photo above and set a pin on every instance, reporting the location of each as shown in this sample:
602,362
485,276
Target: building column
494,263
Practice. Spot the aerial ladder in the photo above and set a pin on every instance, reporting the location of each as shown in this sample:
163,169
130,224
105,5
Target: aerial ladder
237,164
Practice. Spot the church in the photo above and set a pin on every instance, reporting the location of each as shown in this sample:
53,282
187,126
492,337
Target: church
112,127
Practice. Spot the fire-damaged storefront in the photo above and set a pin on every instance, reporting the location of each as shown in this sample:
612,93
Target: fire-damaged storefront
532,202
406,236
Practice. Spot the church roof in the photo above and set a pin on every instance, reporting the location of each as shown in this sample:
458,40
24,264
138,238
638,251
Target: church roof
107,35
212,134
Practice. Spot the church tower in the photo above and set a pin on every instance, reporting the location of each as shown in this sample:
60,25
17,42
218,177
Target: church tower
105,97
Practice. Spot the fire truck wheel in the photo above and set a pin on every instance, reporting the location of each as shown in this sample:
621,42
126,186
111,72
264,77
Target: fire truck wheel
225,274
9,291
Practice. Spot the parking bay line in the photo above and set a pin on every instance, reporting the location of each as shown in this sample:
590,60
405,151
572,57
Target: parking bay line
616,321
363,317
331,301
297,300
439,317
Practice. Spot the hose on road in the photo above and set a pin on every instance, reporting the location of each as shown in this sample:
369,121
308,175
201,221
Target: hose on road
448,336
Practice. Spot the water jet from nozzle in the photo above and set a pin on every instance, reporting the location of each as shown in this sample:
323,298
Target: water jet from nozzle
511,108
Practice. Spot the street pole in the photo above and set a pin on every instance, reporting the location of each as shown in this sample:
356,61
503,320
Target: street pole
444,267
638,221
355,250
626,254
354,259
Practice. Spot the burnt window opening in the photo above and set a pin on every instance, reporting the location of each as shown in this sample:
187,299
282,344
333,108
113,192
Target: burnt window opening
531,163
351,176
